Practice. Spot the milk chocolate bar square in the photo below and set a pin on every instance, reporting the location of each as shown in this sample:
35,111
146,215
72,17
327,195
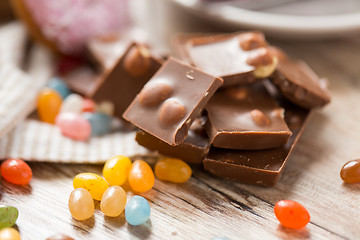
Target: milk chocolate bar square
171,100
121,83
246,117
261,167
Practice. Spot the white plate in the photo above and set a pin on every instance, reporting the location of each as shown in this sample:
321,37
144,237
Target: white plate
288,18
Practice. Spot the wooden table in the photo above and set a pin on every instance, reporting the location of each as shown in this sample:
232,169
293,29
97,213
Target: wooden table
205,206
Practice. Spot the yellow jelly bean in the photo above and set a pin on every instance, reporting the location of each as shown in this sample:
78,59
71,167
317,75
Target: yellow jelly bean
116,170
172,170
81,204
92,182
48,105
113,201
9,234
141,176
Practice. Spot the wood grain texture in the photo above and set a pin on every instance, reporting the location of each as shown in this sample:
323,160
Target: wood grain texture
205,206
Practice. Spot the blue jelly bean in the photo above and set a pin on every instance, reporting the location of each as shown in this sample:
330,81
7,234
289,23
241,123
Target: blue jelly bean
59,86
137,210
100,123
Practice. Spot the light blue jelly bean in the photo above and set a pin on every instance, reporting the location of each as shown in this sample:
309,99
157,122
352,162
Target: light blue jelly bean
59,86
100,123
137,210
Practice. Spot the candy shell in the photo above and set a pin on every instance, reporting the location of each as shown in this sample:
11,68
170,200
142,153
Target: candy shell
137,211
48,105
92,182
8,216
73,103
74,126
16,171
9,234
100,123
59,86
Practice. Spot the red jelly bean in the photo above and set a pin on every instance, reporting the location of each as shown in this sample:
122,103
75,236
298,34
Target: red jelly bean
88,105
291,214
350,172
16,171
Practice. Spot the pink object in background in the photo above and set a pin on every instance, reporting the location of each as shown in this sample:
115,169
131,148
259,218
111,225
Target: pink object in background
71,23
74,126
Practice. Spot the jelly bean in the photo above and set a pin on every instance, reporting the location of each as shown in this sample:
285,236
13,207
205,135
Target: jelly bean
350,172
81,204
291,214
74,126
48,105
73,103
137,211
100,123
172,170
141,176
113,201
8,216
16,171
9,234
88,105
106,107
116,170
92,182
59,86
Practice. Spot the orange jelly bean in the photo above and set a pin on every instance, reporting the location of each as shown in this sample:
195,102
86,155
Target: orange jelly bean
9,234
48,105
291,214
350,172
172,170
141,177
16,171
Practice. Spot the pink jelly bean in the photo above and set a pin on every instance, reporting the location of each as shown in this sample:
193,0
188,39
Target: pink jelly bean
74,126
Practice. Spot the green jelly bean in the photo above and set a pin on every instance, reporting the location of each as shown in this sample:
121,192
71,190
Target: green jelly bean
8,216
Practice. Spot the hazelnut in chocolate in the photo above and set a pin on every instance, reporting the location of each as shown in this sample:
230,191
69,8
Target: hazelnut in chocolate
246,117
171,100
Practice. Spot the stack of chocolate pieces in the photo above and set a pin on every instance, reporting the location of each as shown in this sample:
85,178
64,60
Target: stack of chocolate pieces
230,102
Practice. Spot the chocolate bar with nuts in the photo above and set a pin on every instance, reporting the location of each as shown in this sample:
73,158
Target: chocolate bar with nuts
261,167
246,117
171,100
237,57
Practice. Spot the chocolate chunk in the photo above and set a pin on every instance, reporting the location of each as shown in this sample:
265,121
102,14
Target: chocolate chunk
82,80
171,120
262,167
226,55
192,150
119,85
298,83
248,120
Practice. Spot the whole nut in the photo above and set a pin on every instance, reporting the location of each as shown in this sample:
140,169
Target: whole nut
171,111
154,94
260,57
250,41
137,61
237,93
260,118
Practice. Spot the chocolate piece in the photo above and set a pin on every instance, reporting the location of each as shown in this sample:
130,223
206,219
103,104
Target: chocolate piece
246,117
226,55
192,150
106,50
189,91
298,83
82,80
262,167
121,83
